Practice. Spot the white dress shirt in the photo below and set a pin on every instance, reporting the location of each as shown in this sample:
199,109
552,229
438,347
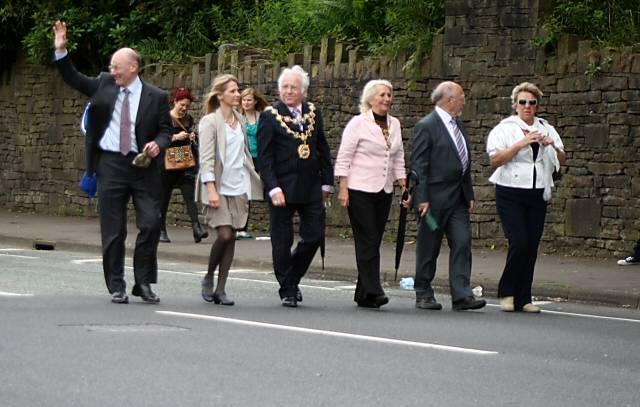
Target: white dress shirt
446,118
111,139
233,174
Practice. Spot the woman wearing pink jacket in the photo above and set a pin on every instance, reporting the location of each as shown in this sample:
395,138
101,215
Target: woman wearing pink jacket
370,160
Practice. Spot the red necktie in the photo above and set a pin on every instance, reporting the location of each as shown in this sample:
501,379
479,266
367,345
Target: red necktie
125,124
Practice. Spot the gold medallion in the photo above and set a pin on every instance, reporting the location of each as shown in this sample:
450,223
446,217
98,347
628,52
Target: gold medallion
303,151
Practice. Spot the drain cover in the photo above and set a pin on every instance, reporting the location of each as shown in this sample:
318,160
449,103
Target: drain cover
126,328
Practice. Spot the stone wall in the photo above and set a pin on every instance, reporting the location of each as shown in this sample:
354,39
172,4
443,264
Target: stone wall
592,97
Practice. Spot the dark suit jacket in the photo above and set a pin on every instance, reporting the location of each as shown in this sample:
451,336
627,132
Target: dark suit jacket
301,180
435,160
153,122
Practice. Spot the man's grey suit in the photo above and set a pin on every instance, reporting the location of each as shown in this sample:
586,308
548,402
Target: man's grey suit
449,191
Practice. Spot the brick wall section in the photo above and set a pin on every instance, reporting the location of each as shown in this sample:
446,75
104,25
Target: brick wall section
486,46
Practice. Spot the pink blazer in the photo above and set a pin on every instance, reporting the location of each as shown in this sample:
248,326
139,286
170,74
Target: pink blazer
363,156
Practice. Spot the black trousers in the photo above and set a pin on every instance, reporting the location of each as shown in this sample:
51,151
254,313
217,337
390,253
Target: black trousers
368,214
454,222
522,212
186,182
119,181
636,250
290,266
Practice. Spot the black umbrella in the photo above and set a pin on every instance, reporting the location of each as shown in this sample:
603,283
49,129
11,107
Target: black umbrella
402,222
402,227
322,240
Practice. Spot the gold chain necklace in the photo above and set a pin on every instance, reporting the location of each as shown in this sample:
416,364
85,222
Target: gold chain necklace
387,136
308,118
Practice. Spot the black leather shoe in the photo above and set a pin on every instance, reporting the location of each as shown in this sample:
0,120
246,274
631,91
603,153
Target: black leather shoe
380,300
164,237
289,302
468,303
373,302
222,299
144,291
198,232
428,303
207,290
298,295
119,297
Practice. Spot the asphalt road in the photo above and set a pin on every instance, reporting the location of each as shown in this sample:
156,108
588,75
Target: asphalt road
62,343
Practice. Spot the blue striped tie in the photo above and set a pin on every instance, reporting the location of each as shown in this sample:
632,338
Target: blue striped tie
462,151
296,115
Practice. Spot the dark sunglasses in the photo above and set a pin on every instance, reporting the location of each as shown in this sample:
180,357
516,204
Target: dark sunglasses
531,102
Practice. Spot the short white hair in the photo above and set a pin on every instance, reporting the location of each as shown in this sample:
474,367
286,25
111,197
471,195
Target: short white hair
295,70
444,89
369,92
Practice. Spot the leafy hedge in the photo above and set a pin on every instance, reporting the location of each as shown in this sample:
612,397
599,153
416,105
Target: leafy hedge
176,30
613,23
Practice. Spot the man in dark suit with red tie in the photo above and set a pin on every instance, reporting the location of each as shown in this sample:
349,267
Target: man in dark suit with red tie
127,117
441,158
295,166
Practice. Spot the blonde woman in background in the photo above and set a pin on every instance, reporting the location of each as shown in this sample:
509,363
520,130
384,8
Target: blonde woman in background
226,181
252,103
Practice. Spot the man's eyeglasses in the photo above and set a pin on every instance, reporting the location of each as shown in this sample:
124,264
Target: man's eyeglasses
524,102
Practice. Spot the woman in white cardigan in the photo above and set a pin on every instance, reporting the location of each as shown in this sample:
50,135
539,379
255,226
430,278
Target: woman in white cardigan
226,181
525,150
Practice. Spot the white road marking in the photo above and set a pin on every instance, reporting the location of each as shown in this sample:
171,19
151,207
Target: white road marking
345,287
18,256
11,249
573,314
332,333
7,294
83,261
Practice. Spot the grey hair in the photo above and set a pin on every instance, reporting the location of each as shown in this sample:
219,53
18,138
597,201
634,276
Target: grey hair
295,70
369,92
525,87
442,90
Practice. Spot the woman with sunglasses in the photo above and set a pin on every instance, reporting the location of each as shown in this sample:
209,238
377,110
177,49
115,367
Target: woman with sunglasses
525,150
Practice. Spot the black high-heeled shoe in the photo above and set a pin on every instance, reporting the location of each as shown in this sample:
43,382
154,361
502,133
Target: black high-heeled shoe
222,299
198,232
164,237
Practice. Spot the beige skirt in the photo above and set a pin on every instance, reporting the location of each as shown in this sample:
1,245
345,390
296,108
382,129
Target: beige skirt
233,211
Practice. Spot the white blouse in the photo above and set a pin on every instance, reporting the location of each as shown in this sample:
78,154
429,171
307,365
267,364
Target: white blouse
518,173
233,173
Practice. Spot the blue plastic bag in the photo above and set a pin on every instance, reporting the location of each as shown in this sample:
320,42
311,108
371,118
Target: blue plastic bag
89,184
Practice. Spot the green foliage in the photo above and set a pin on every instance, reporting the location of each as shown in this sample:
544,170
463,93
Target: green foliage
176,30
596,69
607,22
15,22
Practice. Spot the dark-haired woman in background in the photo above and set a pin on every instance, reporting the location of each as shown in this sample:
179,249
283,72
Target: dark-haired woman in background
182,134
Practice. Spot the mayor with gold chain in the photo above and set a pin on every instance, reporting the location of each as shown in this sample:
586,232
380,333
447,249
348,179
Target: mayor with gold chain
295,166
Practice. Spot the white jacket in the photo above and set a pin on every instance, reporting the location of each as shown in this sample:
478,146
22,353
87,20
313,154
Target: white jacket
518,173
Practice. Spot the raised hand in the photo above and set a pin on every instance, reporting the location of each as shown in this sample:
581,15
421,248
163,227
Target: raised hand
60,36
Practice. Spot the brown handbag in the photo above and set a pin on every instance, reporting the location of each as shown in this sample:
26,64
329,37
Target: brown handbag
179,158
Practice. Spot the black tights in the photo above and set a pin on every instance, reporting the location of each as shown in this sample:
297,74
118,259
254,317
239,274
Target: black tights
221,257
